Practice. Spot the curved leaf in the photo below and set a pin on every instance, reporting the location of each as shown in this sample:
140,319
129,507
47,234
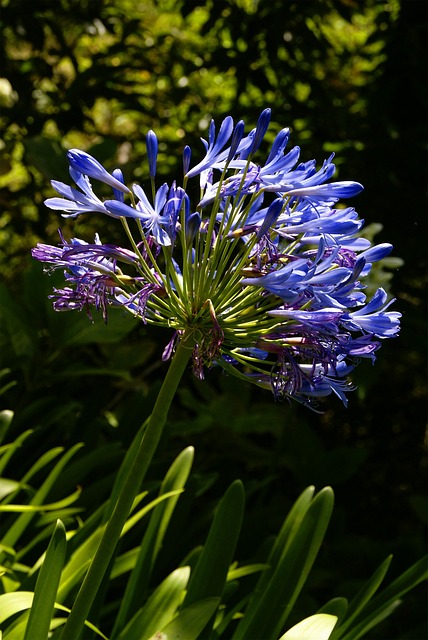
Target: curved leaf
46,586
316,627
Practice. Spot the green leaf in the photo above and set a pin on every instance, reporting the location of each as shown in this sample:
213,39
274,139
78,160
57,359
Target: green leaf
190,621
280,586
132,521
21,508
316,627
160,608
210,573
22,522
382,605
174,481
19,601
6,417
13,603
335,607
208,578
235,573
288,531
78,563
364,595
8,450
84,553
46,586
7,487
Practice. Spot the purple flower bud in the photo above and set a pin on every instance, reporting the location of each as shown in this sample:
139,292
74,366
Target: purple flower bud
187,154
262,125
271,216
152,152
238,132
193,223
118,175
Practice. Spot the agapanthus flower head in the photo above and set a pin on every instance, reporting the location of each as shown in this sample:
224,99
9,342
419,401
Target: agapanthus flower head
265,271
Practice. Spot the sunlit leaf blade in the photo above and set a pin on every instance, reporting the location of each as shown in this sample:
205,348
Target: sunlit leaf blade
6,417
240,572
190,621
78,563
316,627
13,603
46,586
84,553
7,487
22,522
174,481
160,608
267,611
53,506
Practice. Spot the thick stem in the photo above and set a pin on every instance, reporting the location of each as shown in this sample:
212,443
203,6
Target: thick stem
129,490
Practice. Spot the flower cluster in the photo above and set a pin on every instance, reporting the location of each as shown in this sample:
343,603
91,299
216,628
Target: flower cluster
265,271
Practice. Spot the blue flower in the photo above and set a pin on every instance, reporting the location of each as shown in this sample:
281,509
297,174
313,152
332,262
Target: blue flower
214,146
75,202
374,319
265,270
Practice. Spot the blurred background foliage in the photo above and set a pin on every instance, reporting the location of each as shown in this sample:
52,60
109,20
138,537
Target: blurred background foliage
348,77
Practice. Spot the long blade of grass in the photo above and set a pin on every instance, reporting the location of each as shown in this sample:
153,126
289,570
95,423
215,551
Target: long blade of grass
46,586
14,602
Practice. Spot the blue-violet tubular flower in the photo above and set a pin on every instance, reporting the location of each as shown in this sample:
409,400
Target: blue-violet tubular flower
264,269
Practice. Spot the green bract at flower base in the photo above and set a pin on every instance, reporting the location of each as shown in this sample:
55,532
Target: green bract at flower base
263,271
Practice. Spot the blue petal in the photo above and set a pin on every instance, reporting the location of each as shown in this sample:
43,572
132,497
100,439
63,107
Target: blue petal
86,164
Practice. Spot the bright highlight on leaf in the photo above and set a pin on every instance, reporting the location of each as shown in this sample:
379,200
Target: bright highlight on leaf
317,627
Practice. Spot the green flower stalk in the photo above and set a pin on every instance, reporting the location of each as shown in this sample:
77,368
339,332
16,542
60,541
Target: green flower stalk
147,441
